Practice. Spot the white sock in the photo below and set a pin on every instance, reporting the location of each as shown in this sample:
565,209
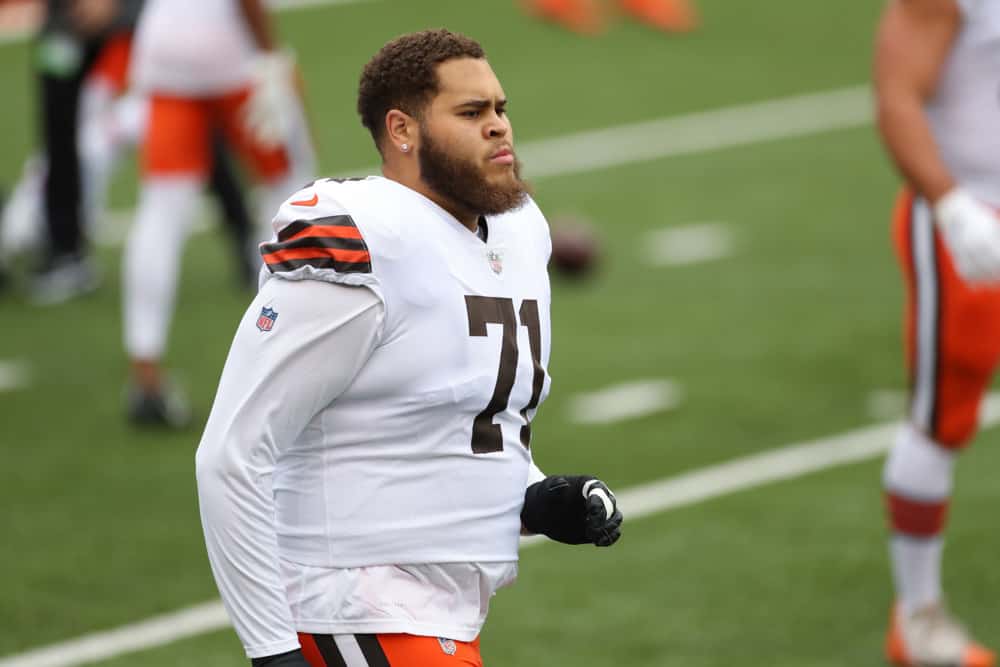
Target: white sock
151,266
921,471
916,568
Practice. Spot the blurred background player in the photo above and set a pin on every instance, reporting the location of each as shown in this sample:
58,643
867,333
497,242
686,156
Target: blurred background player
205,65
111,120
591,16
71,38
936,64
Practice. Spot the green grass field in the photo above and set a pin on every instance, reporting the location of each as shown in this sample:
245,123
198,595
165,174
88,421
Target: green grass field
781,342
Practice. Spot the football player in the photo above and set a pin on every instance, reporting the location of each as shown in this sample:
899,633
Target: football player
936,67
72,36
205,65
366,471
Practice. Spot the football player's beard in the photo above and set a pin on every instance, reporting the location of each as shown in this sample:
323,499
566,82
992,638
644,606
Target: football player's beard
464,183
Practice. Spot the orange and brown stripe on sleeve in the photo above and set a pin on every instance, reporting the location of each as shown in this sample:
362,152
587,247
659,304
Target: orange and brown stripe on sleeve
333,242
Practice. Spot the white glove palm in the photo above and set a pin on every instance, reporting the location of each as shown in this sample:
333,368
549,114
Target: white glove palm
269,113
972,233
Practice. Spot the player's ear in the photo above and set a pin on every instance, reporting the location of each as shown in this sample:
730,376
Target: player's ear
401,131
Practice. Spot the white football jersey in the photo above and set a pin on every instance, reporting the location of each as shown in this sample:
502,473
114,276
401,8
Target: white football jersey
965,110
364,465
192,47
428,447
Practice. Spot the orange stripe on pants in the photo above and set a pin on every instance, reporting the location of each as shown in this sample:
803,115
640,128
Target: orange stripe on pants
952,332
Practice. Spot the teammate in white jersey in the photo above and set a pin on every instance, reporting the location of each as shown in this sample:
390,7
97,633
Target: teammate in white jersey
937,72
365,474
206,66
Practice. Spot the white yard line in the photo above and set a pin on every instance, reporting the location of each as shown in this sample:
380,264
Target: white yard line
14,374
687,244
772,466
699,132
628,400
156,631
647,499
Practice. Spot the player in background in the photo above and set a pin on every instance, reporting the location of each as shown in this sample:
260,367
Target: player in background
71,38
591,16
205,65
365,473
937,71
111,122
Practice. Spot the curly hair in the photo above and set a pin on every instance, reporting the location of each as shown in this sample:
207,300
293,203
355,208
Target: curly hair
403,75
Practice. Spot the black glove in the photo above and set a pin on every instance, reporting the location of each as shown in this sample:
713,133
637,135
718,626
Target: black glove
573,510
290,659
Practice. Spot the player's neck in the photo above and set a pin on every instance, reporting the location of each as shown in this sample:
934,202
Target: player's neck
468,220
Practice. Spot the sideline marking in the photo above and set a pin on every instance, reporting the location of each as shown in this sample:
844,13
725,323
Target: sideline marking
700,132
687,244
628,400
14,374
637,502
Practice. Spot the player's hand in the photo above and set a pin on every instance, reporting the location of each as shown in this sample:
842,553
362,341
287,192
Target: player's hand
290,659
971,231
573,510
269,113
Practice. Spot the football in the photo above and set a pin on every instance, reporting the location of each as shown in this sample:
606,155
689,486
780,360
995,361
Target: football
575,247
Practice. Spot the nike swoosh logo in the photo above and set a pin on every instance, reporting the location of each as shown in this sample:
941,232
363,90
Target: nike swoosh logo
307,202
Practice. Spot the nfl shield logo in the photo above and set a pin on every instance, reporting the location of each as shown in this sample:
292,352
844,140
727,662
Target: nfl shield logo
266,320
495,258
447,645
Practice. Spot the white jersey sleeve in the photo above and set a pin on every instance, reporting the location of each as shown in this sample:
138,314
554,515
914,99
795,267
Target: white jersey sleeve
299,345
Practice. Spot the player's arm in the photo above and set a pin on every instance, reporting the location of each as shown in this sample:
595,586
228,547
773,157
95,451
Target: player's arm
913,42
277,378
269,114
